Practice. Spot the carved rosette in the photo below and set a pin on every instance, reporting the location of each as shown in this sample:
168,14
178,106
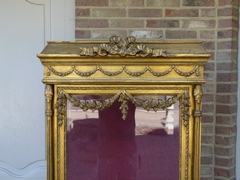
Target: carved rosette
120,47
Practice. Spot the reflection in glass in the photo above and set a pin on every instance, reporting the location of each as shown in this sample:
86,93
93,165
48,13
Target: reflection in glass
101,145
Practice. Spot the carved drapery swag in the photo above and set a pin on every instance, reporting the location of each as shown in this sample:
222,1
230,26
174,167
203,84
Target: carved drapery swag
123,96
118,46
124,68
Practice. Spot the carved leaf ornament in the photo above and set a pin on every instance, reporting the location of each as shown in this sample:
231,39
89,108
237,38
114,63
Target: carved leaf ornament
118,46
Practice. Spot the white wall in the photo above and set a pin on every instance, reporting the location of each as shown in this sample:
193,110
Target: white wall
25,28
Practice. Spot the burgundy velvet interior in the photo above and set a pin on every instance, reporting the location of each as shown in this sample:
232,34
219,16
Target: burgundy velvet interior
110,148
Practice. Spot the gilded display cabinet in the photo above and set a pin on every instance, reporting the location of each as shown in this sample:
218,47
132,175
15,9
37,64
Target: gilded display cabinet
123,109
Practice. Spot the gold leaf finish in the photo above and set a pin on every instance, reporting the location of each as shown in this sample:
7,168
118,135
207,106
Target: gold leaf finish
124,70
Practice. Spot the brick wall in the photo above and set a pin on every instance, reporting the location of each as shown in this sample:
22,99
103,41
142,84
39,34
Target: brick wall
215,22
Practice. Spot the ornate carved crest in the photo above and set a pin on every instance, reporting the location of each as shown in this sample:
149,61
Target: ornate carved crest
118,46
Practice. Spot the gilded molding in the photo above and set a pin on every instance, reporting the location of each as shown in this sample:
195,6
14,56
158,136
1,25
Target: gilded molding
120,47
185,116
123,68
123,96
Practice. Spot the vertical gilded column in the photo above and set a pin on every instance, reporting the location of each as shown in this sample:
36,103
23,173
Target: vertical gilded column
49,126
197,130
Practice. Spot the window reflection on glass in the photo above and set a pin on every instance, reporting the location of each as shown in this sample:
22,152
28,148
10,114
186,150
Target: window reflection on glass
101,145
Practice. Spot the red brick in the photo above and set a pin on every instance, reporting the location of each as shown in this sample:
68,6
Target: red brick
225,161
220,178
230,33
225,141
226,66
208,12
127,3
181,13
198,3
91,3
224,130
163,3
209,76
227,23
205,24
225,119
180,34
91,23
108,33
226,109
207,149
224,151
208,87
226,88
227,12
146,34
207,129
145,13
209,45
82,34
108,12
126,23
206,170
208,108
208,98
227,45
226,99
207,118
209,66
224,173
227,77
82,12
207,34
227,2
206,160
162,23
206,178
226,56
207,139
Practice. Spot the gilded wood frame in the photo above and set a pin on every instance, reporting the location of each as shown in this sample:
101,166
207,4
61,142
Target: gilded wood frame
99,68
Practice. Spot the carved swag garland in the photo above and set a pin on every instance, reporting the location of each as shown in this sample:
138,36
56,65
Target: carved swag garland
123,96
